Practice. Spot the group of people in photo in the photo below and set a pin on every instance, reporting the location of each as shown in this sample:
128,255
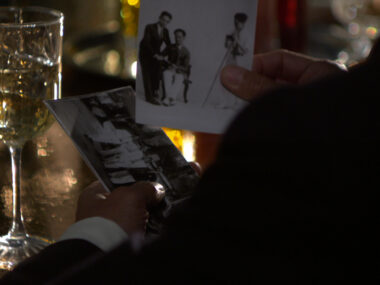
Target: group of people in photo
165,66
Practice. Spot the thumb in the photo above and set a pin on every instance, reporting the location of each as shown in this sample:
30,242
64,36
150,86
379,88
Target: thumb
245,84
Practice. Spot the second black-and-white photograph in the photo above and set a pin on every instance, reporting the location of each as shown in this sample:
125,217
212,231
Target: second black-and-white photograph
121,152
183,47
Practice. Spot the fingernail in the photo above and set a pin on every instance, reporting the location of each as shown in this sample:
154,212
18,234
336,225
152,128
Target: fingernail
232,76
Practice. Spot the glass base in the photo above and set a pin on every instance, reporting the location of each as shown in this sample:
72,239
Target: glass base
13,250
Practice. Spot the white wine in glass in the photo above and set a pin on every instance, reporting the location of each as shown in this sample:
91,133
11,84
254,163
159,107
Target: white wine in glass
30,72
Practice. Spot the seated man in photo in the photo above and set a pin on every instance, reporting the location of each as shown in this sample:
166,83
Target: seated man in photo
176,68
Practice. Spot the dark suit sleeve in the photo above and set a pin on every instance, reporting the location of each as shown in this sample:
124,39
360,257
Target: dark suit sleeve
167,40
148,39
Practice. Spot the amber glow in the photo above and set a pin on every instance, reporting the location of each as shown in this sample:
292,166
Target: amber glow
175,136
130,15
184,141
43,147
188,149
69,178
135,3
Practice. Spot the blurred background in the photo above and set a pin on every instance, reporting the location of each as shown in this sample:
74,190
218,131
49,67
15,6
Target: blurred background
100,53
100,35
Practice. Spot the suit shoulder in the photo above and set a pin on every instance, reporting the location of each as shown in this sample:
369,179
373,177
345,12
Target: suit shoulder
149,26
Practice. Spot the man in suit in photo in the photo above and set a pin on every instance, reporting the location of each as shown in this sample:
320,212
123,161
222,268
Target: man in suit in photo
155,35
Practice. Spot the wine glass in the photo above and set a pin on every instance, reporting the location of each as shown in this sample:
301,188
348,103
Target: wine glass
362,21
30,72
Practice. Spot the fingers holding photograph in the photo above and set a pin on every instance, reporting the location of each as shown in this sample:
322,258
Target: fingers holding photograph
183,46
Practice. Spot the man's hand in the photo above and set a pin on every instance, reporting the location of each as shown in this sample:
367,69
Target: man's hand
274,69
127,206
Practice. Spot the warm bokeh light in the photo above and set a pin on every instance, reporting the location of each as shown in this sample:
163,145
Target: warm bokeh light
43,147
188,150
175,136
69,178
135,3
130,15
112,63
42,152
184,141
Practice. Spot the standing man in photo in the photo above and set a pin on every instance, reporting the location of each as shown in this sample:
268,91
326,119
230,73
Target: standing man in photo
176,68
155,35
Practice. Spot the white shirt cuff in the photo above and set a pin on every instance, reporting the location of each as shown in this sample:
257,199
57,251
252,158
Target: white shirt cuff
101,232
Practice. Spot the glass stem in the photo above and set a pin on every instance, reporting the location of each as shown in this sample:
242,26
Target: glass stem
17,228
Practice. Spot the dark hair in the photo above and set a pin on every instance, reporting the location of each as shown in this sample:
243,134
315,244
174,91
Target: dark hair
229,38
167,14
180,31
241,17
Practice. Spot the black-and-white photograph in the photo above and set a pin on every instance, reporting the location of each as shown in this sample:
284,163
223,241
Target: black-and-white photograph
121,152
183,47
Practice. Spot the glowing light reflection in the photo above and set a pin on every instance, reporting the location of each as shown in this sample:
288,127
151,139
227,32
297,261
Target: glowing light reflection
134,69
372,32
343,57
43,147
130,14
133,2
42,152
69,178
111,65
189,146
184,141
